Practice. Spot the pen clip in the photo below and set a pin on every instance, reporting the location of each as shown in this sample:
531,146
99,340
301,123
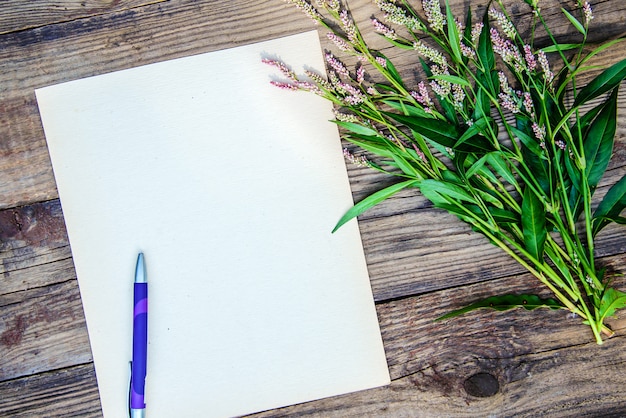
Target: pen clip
130,385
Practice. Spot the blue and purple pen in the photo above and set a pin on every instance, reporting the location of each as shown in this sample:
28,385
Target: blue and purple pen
140,341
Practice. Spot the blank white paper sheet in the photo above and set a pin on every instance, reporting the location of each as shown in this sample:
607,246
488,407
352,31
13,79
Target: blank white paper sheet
231,187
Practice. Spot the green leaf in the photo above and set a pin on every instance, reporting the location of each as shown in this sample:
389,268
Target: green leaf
497,162
375,147
501,216
441,132
485,48
479,168
489,198
391,69
574,21
372,200
399,43
537,167
451,79
611,206
533,224
476,167
356,128
603,83
506,302
598,144
560,47
436,130
406,108
529,142
476,128
453,34
612,300
405,166
440,191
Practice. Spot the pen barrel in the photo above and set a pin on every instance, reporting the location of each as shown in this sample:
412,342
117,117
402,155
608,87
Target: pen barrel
140,346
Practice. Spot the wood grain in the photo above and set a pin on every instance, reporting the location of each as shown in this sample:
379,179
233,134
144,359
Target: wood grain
23,14
422,262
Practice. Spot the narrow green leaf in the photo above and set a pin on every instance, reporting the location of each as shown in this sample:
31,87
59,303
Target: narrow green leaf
560,47
501,216
372,200
476,128
451,79
489,198
529,142
485,48
611,206
477,166
406,108
435,190
506,302
436,130
356,128
574,21
598,144
453,34
399,43
375,147
391,69
537,166
603,83
497,162
441,132
612,300
405,166
533,224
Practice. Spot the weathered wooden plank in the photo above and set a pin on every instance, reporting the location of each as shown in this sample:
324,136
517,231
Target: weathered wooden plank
42,329
527,353
34,249
23,14
555,384
67,392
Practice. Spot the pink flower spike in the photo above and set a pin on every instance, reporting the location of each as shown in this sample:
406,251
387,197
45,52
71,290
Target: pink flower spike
283,85
540,131
336,65
360,74
587,13
384,29
339,43
287,72
531,62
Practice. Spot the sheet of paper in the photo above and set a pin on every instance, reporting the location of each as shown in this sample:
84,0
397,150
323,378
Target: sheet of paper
230,187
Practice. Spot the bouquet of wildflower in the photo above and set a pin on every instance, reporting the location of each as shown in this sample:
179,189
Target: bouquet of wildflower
493,135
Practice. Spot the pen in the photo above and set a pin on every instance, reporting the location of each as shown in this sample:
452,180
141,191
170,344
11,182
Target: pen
140,341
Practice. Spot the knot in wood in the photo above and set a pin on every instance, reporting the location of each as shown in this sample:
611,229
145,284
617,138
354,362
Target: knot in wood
481,385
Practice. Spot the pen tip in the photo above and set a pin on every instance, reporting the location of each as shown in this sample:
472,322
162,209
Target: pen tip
140,270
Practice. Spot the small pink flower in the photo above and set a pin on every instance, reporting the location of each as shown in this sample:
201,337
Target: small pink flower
336,65
339,43
384,29
531,62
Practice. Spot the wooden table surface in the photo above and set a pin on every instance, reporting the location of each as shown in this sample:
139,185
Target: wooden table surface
422,262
